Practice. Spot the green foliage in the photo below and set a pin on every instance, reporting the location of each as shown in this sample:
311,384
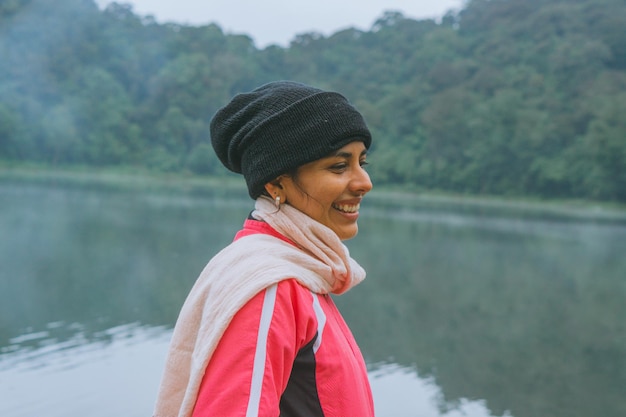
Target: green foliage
515,97
202,160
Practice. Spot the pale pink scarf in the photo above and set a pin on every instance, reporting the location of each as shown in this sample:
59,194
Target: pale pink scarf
320,262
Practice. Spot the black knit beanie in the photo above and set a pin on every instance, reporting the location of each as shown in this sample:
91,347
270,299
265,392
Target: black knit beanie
281,126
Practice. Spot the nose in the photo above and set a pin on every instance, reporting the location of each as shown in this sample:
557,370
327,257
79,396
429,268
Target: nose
361,182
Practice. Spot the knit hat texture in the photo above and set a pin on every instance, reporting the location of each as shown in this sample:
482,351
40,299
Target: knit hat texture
280,126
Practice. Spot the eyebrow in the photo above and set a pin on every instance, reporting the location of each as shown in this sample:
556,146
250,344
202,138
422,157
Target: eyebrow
342,154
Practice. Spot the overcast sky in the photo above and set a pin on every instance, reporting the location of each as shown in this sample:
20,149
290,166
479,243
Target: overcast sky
278,21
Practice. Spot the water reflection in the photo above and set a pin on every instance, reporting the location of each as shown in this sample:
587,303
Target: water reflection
526,314
400,392
118,376
113,376
467,310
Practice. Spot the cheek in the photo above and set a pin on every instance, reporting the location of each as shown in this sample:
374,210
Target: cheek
316,201
314,193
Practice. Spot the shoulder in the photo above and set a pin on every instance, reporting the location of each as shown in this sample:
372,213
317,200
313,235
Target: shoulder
285,310
267,259
288,295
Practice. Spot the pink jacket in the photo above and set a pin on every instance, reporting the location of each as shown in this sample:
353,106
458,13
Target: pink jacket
288,352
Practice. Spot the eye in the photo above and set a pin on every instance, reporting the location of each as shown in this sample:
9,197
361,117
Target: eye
339,167
363,163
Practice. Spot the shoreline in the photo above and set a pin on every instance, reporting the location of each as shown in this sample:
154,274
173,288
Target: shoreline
233,185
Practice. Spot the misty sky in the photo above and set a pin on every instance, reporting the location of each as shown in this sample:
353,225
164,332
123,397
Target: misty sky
278,21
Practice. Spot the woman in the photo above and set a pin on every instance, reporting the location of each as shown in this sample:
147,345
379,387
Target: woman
259,334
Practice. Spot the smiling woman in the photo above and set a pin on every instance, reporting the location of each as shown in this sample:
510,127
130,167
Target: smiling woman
259,334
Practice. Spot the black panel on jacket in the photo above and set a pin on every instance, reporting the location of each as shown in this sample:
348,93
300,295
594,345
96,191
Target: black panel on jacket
300,398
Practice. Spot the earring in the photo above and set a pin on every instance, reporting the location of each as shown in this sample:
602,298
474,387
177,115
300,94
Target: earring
277,201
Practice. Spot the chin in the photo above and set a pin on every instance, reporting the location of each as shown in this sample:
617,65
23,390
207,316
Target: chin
346,235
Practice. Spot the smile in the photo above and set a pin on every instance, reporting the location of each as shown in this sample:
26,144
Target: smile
347,208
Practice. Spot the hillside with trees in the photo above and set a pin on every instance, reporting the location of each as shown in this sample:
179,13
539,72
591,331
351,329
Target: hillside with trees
504,97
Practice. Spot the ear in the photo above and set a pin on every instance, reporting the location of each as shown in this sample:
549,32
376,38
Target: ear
274,188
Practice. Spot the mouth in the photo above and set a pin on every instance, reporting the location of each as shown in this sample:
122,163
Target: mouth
347,208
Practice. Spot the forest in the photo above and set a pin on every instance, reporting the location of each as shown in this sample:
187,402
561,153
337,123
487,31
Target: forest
514,98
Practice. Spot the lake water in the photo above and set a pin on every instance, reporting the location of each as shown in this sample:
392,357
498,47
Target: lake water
469,309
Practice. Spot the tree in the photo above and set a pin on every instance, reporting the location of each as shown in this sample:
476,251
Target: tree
506,96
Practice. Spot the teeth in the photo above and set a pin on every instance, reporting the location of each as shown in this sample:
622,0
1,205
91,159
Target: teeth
347,208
